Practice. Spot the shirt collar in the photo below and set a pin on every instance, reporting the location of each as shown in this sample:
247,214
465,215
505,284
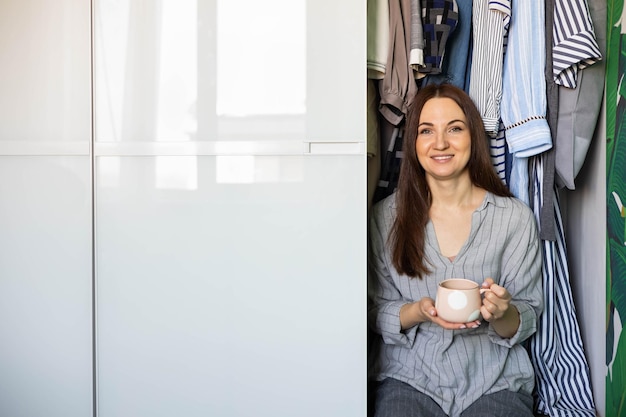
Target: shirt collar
491,198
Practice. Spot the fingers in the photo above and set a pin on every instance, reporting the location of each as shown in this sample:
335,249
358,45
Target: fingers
500,292
429,312
455,326
496,293
496,289
427,305
494,308
486,313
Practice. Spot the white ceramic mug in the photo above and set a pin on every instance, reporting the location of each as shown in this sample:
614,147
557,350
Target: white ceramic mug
459,300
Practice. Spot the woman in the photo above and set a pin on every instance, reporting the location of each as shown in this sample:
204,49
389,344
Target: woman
451,216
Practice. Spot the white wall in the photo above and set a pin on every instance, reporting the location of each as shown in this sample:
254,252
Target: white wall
585,222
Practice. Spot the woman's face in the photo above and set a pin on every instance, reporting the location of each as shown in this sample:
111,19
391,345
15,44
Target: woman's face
443,141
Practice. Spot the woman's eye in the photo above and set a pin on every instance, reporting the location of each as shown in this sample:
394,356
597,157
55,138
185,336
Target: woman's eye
424,131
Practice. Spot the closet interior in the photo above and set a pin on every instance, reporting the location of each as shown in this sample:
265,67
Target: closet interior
529,89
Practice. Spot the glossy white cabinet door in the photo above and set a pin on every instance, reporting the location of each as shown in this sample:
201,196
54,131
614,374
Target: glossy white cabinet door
46,345
224,70
187,70
230,253
46,75
231,286
45,286
336,73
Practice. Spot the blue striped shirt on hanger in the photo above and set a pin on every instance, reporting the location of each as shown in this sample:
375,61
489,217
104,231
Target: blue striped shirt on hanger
575,45
563,382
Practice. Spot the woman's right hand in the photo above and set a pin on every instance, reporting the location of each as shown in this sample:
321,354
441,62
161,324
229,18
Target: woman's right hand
424,310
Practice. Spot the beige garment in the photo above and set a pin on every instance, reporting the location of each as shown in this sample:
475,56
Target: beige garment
398,86
377,38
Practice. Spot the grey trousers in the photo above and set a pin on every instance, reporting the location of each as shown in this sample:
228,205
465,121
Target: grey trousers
397,399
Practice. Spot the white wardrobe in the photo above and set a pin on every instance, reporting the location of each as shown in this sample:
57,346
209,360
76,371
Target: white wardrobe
182,208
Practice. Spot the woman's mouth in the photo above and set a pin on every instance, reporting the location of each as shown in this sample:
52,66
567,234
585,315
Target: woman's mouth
442,158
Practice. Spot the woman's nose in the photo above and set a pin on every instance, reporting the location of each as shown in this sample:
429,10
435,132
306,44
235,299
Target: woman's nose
441,142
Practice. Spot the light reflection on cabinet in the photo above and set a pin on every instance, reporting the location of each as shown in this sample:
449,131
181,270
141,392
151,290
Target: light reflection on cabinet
172,70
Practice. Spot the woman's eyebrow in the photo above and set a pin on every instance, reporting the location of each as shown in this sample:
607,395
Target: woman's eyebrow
449,123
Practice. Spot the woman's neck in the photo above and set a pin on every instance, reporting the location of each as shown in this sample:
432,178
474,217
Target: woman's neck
458,193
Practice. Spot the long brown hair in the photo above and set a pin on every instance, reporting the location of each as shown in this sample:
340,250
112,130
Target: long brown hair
408,232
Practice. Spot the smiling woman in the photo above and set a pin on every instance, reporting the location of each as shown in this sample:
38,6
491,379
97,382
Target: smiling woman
416,186
452,216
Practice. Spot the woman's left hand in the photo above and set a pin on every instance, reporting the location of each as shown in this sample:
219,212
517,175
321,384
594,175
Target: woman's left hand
496,301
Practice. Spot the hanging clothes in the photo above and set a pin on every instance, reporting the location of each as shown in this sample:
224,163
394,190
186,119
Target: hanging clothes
377,52
397,90
373,140
439,19
579,106
524,92
490,21
522,151
575,46
398,86
498,152
377,38
562,374
391,159
546,218
455,62
416,53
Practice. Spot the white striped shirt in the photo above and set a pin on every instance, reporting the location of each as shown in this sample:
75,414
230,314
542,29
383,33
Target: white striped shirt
490,20
456,367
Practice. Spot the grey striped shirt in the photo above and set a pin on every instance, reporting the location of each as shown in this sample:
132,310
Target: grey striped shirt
457,367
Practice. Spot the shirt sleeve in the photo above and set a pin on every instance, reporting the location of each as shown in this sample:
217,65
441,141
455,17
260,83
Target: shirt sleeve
521,275
523,82
575,45
385,300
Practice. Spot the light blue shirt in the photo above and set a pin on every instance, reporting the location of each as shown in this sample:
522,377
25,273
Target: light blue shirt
524,99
